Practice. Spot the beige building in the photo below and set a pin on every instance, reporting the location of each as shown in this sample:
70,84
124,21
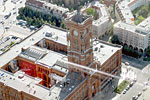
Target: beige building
131,35
135,36
103,23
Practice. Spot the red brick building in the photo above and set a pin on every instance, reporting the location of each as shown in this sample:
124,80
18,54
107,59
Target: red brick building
42,55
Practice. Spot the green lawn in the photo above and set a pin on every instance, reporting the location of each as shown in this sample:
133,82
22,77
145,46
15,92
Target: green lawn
92,11
121,86
141,13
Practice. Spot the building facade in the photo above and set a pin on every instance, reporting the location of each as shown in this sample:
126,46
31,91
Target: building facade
67,3
133,36
47,8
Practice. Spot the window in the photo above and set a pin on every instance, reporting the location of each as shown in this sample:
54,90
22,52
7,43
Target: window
75,44
75,33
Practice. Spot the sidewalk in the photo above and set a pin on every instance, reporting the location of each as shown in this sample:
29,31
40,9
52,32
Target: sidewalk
107,93
1,8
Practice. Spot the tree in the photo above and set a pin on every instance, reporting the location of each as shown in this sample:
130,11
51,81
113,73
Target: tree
90,11
37,18
148,51
115,39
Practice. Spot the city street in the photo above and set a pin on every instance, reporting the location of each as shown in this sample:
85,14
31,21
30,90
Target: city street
11,22
141,77
130,73
137,63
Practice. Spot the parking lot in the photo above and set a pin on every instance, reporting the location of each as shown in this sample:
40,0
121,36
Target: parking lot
8,42
8,21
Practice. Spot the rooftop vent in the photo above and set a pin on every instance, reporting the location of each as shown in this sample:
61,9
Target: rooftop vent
96,49
72,86
102,46
34,92
70,89
20,76
48,34
61,86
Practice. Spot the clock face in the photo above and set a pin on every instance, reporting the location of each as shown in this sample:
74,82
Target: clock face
85,31
75,33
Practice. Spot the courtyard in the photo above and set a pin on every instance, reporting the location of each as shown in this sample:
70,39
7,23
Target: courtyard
141,13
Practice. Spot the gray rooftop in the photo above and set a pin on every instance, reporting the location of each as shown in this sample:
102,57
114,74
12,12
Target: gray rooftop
78,18
62,89
33,52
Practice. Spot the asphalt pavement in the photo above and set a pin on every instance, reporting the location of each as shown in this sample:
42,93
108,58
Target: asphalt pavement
10,22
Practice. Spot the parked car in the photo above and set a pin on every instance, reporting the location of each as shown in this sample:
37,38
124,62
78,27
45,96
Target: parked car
124,92
7,16
14,37
128,87
139,94
7,27
133,98
136,97
14,12
126,63
131,84
32,27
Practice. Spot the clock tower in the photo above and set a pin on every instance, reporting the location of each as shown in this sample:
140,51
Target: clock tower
79,38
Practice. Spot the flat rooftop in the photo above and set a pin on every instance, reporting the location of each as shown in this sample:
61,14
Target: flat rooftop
33,53
23,82
133,28
45,57
32,40
51,58
103,51
145,24
126,11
